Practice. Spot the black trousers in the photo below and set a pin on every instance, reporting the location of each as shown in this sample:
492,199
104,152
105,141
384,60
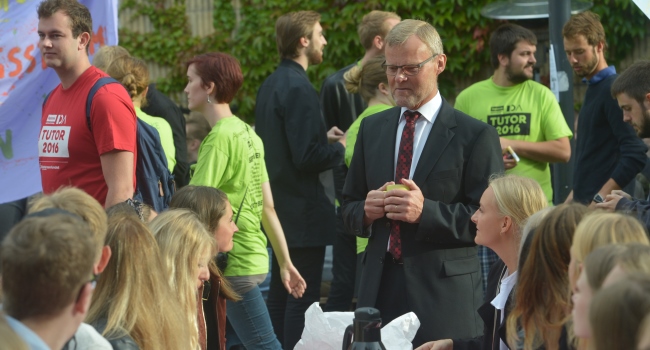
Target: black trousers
287,313
391,299
344,266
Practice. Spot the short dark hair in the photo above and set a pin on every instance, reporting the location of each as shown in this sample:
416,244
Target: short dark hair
221,69
634,81
80,19
588,24
504,40
46,261
292,26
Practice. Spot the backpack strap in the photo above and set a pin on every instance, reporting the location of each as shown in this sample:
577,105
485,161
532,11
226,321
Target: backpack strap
93,90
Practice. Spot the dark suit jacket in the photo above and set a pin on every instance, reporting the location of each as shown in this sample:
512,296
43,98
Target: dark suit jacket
487,311
443,283
289,121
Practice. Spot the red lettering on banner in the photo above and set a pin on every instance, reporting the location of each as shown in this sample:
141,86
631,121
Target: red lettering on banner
30,58
98,38
14,60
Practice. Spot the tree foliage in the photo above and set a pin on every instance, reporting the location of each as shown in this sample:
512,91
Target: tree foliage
246,30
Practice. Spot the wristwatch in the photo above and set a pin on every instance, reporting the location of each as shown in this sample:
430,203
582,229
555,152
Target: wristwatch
598,198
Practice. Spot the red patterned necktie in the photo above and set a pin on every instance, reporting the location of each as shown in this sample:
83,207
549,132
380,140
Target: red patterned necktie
402,171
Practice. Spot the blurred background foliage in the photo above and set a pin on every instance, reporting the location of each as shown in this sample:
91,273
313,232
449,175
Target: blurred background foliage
245,29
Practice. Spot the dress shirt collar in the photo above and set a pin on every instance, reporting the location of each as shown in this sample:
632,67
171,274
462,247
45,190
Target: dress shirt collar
610,70
27,335
429,110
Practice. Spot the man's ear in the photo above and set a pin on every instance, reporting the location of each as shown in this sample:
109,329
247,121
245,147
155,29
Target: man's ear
304,41
82,304
503,59
84,40
600,47
103,260
646,101
378,42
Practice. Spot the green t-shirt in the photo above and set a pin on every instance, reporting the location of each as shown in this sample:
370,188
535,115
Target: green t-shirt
350,140
353,130
231,158
166,136
526,111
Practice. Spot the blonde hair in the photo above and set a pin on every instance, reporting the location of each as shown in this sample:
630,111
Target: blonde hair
373,24
423,30
600,228
365,79
182,239
617,312
631,257
209,204
541,312
107,54
80,203
517,197
133,293
132,73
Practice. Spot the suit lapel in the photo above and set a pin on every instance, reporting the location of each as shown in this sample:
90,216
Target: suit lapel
387,138
439,137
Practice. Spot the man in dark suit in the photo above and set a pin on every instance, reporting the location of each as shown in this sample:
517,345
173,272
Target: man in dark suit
298,148
421,255
341,108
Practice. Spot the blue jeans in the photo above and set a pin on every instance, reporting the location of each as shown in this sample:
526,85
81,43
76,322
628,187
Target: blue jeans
250,322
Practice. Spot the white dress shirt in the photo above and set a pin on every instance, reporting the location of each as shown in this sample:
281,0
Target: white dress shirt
499,302
423,127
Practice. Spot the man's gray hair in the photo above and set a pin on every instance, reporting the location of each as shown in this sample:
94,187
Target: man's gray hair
423,30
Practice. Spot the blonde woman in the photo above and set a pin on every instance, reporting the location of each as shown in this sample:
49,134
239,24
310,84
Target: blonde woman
599,229
133,303
504,208
133,74
596,230
187,249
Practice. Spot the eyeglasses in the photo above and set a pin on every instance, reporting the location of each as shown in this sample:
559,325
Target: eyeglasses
409,70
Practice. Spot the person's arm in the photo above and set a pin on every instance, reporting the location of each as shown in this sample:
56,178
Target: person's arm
306,134
632,150
291,278
553,151
117,167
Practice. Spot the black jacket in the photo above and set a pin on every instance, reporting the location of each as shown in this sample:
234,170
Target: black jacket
487,311
289,121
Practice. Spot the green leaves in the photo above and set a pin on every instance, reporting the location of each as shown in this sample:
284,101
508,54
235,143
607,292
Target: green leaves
246,30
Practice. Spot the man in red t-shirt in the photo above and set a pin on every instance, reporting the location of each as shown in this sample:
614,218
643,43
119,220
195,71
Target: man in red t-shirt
101,159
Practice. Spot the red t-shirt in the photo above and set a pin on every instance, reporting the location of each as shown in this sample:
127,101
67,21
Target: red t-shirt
68,151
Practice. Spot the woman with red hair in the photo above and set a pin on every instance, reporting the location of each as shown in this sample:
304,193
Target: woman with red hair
231,158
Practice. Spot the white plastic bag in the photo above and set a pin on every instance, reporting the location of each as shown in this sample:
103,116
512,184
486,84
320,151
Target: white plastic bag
324,330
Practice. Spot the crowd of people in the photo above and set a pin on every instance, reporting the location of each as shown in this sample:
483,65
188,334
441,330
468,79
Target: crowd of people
445,211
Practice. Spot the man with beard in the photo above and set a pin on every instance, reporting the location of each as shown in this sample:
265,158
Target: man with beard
632,91
298,149
525,113
607,155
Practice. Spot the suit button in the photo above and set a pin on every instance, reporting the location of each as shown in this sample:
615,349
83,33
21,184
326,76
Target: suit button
381,260
388,224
